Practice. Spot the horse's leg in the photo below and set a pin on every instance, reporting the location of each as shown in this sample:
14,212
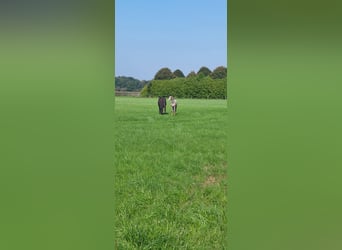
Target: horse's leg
160,108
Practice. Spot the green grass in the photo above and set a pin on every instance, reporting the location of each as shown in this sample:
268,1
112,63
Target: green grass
170,175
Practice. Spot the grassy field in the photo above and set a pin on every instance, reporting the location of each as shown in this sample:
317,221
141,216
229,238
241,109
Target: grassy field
170,175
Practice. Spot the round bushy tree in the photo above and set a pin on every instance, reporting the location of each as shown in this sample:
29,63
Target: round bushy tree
178,73
204,70
219,73
164,74
191,74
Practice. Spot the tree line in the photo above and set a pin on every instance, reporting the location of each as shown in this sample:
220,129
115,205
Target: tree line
166,74
125,83
203,84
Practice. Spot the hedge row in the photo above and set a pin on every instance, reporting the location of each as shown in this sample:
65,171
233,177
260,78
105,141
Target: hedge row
192,87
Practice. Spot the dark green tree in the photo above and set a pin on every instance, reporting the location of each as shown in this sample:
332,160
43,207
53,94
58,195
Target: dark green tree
178,73
164,74
191,74
219,73
204,70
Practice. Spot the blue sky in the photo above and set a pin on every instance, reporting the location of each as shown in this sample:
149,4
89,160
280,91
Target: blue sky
178,34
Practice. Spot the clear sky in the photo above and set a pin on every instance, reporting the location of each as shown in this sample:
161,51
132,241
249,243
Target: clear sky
178,34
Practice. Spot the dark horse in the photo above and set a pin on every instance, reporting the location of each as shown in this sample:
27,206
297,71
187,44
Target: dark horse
162,104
